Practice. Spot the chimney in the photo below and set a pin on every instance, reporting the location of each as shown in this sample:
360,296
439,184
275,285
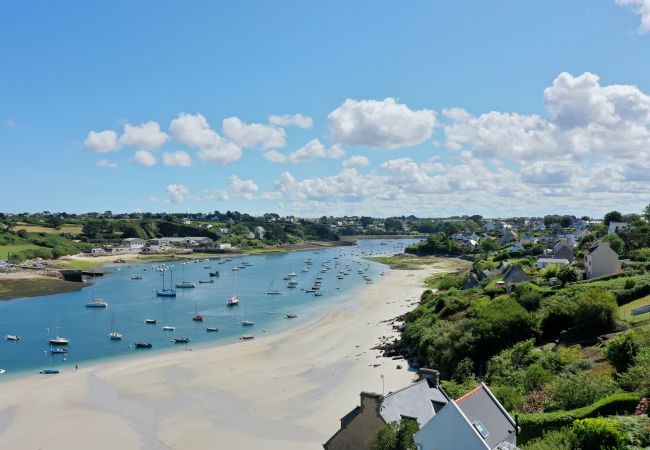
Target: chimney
431,375
371,400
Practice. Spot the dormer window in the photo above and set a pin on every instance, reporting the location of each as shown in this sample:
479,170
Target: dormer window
481,429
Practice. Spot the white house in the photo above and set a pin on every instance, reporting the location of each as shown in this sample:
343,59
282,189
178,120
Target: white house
186,221
224,246
133,243
475,421
601,260
224,230
543,262
615,227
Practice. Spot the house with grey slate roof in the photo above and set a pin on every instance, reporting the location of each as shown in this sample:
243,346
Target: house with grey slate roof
419,401
475,421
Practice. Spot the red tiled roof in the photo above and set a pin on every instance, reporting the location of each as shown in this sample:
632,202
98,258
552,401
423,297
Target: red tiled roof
464,396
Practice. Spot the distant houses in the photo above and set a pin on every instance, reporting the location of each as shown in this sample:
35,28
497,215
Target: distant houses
601,260
545,262
615,227
419,401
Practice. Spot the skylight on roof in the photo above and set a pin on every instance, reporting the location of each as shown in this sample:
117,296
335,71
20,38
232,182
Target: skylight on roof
481,429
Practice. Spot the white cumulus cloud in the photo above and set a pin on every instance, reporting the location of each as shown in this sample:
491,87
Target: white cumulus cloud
195,131
254,134
144,157
315,149
178,158
102,141
640,8
242,188
275,156
355,162
380,123
176,193
146,136
286,120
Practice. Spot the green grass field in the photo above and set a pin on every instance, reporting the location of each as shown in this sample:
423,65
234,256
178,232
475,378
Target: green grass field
624,311
12,248
68,228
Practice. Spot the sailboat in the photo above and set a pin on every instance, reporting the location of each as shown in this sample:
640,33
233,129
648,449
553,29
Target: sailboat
197,317
246,323
167,292
114,335
96,302
185,284
272,291
58,340
233,300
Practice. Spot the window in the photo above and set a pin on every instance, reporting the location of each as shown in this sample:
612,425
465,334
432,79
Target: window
481,429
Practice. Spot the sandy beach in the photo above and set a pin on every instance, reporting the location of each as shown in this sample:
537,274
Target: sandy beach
282,391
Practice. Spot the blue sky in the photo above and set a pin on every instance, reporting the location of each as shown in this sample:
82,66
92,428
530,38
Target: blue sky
424,107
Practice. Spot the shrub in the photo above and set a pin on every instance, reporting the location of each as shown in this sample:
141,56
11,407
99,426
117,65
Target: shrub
637,377
550,271
641,255
597,433
569,390
536,377
509,397
552,440
636,430
396,436
568,274
534,425
596,311
622,350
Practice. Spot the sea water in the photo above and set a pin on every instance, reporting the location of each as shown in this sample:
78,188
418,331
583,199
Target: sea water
38,319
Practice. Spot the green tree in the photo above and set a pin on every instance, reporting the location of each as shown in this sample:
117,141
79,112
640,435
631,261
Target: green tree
612,216
396,436
616,243
646,213
488,245
568,274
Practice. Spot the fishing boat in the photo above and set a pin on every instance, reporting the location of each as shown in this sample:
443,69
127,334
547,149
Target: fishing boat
247,337
168,328
292,316
212,329
112,334
12,337
166,292
197,317
49,371
142,345
97,304
232,301
272,291
59,341
58,350
214,274
181,340
206,281
150,321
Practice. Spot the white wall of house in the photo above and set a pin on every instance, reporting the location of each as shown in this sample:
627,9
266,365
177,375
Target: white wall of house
601,261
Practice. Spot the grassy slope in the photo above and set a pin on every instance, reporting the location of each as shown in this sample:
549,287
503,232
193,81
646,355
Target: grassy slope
624,311
10,289
12,248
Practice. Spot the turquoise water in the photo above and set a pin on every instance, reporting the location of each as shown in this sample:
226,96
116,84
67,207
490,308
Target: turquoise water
131,301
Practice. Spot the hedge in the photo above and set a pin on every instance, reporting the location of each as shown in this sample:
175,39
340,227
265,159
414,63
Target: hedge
535,424
639,290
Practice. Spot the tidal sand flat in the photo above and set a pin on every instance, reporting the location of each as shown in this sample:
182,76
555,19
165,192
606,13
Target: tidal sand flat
281,391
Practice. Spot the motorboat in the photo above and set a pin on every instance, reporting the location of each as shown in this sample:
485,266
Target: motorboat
212,329
168,328
58,350
59,341
292,316
49,371
181,340
247,337
232,301
97,304
150,321
12,337
142,345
